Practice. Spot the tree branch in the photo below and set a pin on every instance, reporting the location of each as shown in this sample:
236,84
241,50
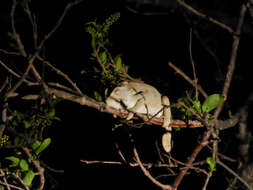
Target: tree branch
234,174
40,170
203,16
146,173
188,79
231,66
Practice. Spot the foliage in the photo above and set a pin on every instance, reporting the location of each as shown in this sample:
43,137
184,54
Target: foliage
212,164
194,105
26,129
111,69
22,166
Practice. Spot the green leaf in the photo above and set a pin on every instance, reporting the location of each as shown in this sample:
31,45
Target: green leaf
23,165
211,102
197,105
83,72
27,124
118,63
103,57
43,145
93,41
14,160
51,114
97,96
29,178
36,145
212,164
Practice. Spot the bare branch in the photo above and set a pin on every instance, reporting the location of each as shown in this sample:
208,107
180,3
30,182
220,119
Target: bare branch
2,174
234,174
231,66
15,74
59,72
146,173
191,159
58,23
15,34
20,180
202,15
188,79
195,81
208,176
33,23
4,84
30,64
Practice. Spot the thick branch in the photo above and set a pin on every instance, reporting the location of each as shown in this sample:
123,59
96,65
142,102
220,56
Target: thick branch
101,106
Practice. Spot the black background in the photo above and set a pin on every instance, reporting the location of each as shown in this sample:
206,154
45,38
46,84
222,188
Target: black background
146,43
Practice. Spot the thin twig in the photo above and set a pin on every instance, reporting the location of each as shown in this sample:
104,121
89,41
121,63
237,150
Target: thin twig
231,66
208,176
33,23
195,81
9,52
21,181
191,159
195,114
14,88
15,74
15,34
4,84
2,174
61,87
58,23
59,72
188,79
150,177
234,174
10,185
202,15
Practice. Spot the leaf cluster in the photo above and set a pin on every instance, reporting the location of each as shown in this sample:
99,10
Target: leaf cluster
195,105
25,127
106,68
22,166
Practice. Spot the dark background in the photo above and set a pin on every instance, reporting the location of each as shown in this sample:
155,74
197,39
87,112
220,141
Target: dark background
147,39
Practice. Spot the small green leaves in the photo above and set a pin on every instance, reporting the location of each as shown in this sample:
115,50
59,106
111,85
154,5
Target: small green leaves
97,96
103,57
109,21
111,69
36,145
197,106
29,178
212,164
23,165
42,146
118,63
211,102
14,160
27,123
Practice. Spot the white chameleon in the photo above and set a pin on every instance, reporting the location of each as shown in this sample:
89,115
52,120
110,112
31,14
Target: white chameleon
138,97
